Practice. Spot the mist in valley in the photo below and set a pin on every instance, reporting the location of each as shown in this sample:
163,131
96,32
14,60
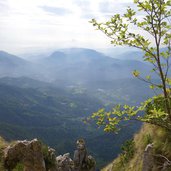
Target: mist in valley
56,70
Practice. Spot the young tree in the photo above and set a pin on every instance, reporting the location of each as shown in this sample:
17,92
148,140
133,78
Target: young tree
157,50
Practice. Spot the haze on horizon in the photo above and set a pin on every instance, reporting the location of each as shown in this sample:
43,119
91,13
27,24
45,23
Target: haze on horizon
38,25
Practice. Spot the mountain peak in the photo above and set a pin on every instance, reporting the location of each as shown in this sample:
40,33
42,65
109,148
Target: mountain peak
6,55
57,54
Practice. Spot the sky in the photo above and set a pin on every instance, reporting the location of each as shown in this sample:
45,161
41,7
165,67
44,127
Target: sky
39,25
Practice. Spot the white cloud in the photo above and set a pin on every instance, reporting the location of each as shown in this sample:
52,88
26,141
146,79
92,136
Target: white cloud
27,24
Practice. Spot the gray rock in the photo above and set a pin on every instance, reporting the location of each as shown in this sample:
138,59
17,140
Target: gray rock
30,153
82,161
27,152
64,163
148,158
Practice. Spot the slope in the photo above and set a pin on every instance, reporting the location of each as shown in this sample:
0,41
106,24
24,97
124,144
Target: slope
148,134
53,115
14,66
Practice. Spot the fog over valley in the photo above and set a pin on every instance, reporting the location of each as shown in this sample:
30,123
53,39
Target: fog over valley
71,70
50,96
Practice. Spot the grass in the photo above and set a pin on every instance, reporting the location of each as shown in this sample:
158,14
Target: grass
3,144
148,134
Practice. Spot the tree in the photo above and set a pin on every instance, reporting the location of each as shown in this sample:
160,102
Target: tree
157,51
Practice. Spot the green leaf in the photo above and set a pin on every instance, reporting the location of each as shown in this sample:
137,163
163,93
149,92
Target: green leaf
136,73
148,77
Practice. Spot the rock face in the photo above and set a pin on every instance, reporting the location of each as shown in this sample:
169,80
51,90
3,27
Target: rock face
83,161
148,158
27,152
31,154
64,163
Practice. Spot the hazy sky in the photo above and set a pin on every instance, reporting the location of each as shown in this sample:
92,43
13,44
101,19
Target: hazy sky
30,25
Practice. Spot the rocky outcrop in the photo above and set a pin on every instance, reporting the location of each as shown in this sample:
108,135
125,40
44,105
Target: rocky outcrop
148,158
153,161
83,161
31,154
64,163
27,152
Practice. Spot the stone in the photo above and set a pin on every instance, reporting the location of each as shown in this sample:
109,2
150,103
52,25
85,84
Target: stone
64,163
36,157
82,161
27,152
148,158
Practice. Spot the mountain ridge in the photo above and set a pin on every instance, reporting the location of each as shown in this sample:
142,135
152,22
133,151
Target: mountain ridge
49,99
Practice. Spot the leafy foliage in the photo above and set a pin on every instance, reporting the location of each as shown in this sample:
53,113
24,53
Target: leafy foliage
128,150
120,116
155,23
19,167
161,140
50,158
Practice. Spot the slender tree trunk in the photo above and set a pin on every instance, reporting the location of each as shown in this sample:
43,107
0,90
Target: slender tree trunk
164,87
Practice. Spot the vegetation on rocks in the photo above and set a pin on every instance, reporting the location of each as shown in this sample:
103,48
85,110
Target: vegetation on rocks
161,140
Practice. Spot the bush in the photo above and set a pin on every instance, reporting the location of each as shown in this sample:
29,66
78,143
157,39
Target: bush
128,150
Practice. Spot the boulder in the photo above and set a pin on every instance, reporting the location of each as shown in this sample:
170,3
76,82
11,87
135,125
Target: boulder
35,157
27,152
148,160
83,161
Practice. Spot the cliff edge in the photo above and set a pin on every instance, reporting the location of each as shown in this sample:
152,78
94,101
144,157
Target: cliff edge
35,156
149,150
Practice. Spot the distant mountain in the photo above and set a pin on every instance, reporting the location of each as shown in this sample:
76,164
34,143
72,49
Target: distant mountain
9,59
79,66
72,66
81,53
131,55
24,82
49,97
85,71
74,56
55,56
14,66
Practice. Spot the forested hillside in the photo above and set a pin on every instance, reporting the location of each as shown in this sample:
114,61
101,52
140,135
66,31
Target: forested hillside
50,101
30,109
